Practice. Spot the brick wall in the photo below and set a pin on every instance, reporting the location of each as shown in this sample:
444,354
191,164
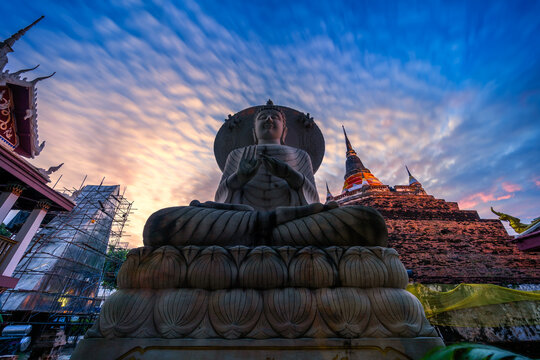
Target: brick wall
442,244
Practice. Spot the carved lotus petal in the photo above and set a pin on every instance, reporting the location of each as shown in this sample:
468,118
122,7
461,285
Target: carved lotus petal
345,310
335,253
289,311
312,268
126,312
189,251
359,267
286,253
179,311
234,313
319,329
212,269
397,274
262,269
238,252
262,329
141,252
204,330
128,277
398,310
165,268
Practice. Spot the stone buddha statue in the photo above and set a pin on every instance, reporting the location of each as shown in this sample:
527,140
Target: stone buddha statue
267,194
265,270
270,173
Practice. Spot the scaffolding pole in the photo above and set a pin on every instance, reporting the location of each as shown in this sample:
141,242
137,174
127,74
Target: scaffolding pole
66,258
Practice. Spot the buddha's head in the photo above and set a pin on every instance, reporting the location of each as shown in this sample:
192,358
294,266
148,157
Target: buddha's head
270,125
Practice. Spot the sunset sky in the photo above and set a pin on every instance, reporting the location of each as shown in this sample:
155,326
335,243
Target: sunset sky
452,89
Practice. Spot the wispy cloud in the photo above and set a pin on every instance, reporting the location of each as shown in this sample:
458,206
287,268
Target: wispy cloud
511,188
472,200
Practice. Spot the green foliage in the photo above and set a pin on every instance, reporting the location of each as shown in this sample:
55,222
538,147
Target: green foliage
471,352
4,231
115,259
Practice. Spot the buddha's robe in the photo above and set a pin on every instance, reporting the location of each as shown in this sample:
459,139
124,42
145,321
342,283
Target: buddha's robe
265,191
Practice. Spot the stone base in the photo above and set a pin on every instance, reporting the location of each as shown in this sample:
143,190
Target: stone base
271,349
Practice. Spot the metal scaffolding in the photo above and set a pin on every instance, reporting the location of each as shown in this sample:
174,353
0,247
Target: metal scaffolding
63,268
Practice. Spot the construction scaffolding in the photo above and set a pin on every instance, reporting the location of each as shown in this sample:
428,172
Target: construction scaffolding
63,269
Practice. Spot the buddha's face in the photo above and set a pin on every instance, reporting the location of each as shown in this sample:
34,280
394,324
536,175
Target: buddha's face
269,126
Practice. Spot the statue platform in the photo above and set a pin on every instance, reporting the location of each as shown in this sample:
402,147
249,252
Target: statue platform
263,302
271,349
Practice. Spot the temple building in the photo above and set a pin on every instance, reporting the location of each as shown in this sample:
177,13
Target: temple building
467,271
436,240
22,186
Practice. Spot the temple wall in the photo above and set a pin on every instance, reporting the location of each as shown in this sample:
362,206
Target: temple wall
441,251
442,244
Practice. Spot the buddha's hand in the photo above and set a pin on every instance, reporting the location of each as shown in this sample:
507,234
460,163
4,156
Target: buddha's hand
247,168
283,170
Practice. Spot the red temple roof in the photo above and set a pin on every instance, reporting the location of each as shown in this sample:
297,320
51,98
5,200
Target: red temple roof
18,104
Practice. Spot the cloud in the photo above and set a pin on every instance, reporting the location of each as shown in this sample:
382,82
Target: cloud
511,188
472,200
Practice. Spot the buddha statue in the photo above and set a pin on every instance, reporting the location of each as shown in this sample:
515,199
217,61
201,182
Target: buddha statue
267,195
265,270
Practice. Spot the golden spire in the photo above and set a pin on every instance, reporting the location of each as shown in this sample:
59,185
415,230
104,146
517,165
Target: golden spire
350,150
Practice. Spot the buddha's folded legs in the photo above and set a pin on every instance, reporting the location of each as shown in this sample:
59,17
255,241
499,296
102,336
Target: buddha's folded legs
194,225
347,225
314,224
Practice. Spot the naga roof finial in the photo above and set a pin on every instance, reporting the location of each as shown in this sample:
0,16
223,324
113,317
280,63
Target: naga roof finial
6,45
11,40
42,78
515,222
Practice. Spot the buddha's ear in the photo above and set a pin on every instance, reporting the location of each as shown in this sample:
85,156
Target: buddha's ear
283,134
255,140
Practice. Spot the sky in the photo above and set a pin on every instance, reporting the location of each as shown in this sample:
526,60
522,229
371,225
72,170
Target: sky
451,89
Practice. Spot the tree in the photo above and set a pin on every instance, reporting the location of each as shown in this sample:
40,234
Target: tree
115,259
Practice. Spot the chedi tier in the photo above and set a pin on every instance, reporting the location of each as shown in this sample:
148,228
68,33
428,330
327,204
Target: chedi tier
265,270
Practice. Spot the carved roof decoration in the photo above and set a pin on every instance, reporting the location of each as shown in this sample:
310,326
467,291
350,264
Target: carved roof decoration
19,103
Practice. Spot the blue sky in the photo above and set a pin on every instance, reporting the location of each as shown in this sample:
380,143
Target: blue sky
452,89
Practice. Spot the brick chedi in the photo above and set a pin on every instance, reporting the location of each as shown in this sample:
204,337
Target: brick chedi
435,239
